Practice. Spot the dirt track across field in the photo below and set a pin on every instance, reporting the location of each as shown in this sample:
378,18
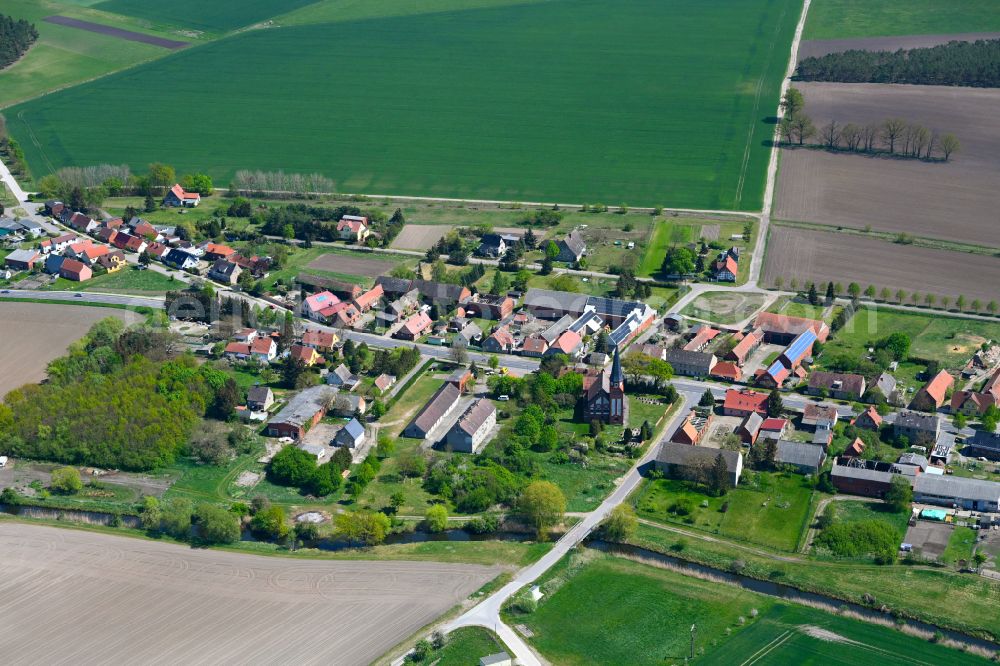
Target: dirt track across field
339,263
955,201
35,333
821,47
70,596
115,32
420,236
825,256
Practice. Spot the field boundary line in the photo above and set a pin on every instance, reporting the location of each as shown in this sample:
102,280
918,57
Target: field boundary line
403,198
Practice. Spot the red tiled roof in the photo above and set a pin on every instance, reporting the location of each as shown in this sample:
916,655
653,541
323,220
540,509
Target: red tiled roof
182,194
262,346
504,337
774,424
220,250
535,345
770,321
746,400
73,267
238,348
368,299
568,342
302,353
743,347
727,370
318,338
418,323
937,388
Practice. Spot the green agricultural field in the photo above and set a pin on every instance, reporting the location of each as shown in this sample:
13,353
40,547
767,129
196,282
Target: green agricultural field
217,16
789,634
527,102
646,615
843,19
767,509
65,56
935,336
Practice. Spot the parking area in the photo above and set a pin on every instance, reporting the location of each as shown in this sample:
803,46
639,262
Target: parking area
928,539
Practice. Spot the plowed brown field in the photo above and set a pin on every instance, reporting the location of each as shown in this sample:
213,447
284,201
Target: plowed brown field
955,201
824,256
68,596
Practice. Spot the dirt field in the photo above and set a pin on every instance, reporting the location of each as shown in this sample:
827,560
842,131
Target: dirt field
955,201
112,599
823,256
115,32
339,263
821,47
420,236
36,333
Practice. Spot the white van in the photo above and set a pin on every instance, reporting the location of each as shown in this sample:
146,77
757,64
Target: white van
3,461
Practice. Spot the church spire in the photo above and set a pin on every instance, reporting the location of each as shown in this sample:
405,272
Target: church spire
617,378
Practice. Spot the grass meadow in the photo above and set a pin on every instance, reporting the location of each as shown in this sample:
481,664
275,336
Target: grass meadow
844,19
950,340
646,615
526,102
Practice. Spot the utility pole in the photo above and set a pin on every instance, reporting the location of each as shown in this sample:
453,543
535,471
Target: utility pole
694,633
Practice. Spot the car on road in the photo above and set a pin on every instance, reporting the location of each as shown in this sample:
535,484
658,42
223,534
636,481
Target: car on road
77,295
3,461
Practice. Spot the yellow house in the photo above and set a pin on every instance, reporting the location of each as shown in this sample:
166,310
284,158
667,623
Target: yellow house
112,262
307,355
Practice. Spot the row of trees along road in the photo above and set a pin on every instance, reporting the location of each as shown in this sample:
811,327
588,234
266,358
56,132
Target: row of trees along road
893,136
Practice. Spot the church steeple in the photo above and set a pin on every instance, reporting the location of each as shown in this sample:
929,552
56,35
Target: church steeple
617,378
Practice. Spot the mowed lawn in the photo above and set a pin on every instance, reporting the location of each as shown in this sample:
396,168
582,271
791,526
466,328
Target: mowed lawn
531,102
843,19
646,616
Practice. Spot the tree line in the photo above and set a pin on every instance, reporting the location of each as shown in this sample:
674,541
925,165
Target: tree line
956,63
16,37
893,136
871,292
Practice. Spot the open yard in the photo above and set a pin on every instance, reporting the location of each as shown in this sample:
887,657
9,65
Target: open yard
491,102
768,509
646,614
94,591
954,201
813,255
934,336
36,333
339,263
724,307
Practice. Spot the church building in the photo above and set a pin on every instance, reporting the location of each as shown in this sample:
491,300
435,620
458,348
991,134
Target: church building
604,394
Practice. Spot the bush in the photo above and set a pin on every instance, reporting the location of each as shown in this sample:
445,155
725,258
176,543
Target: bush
216,525
66,480
270,523
485,524
437,518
